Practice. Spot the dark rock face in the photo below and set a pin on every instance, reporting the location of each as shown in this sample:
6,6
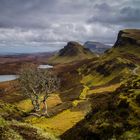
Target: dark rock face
138,99
72,49
69,50
126,38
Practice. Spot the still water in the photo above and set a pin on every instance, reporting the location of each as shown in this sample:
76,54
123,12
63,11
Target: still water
4,78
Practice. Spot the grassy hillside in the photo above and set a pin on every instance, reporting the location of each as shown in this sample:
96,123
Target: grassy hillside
112,83
13,128
114,115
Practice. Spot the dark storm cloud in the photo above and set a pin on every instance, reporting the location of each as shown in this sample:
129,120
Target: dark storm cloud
122,15
23,13
130,14
64,20
37,13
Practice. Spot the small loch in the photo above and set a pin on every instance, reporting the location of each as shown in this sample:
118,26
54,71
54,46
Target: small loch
4,78
45,66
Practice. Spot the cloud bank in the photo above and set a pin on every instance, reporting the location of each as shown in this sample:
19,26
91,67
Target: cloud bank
58,21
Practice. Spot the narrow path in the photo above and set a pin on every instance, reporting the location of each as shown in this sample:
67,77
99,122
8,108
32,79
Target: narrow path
97,55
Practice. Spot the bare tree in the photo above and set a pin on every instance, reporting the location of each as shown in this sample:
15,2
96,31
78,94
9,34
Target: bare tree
37,83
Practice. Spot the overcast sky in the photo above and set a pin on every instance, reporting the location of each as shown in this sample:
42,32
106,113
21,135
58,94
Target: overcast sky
57,21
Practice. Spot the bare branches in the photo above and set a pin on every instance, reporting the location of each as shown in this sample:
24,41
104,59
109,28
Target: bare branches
34,81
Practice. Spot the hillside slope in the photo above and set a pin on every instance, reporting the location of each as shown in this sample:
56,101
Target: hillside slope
73,51
114,115
113,83
12,126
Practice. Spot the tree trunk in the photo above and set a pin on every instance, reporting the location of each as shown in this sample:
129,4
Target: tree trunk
45,107
35,104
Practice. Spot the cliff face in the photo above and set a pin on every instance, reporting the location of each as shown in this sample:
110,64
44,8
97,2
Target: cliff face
128,36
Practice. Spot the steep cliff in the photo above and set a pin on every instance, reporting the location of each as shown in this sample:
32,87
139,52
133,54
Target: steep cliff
128,36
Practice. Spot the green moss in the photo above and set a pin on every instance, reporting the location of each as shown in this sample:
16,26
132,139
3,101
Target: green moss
9,110
6,133
9,134
2,122
66,59
87,80
14,130
130,135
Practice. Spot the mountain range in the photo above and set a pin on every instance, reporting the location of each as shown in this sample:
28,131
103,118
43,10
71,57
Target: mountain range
96,47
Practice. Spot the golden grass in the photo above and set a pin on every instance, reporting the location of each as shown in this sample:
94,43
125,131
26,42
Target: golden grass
53,100
109,88
59,123
27,106
97,79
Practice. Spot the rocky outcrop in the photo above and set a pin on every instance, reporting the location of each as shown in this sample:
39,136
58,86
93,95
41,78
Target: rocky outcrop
73,49
128,36
72,52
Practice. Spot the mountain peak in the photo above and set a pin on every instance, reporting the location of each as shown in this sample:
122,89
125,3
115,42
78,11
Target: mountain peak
73,43
128,36
72,49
